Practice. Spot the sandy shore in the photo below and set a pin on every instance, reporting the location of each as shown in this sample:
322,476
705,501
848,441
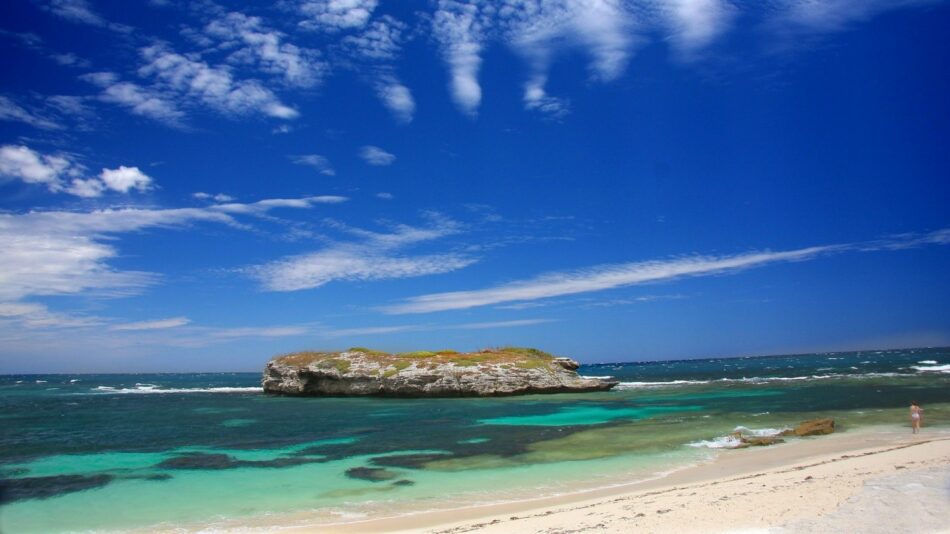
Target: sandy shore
882,480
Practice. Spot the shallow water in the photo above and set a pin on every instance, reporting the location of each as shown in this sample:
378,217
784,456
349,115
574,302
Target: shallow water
111,452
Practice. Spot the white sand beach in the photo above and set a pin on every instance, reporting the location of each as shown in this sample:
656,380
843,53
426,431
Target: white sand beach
881,480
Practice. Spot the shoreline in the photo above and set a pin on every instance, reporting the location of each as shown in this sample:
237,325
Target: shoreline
844,462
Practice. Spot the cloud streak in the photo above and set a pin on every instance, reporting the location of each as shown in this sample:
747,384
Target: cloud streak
374,256
604,277
68,253
158,324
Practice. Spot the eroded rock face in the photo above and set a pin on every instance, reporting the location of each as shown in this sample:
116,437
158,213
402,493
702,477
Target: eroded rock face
424,374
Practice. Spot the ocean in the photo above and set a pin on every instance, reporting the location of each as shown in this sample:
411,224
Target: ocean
209,450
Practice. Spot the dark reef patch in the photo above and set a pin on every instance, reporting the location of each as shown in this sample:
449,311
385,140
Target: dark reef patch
372,474
212,461
409,461
18,489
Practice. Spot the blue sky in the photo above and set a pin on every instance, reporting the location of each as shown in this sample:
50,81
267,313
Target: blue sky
202,185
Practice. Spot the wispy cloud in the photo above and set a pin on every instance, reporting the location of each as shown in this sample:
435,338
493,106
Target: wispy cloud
605,277
374,256
68,253
373,52
398,329
79,11
376,156
139,100
158,324
318,162
795,16
11,111
32,315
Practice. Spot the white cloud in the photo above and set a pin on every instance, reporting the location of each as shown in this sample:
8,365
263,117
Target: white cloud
318,162
605,277
336,15
139,100
31,167
385,196
219,197
125,179
374,257
396,97
537,30
694,24
373,51
211,86
121,180
66,253
536,98
158,324
313,270
23,163
86,188
31,316
376,156
261,46
10,111
461,29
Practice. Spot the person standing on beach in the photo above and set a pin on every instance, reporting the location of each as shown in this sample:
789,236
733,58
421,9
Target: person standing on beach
916,415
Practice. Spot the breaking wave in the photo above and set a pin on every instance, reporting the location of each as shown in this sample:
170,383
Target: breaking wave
732,440
145,389
765,379
932,368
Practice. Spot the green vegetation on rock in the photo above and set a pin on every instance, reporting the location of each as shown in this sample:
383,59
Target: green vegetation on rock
524,358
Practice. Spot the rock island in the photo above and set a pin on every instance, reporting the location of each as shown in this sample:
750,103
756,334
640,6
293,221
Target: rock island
444,373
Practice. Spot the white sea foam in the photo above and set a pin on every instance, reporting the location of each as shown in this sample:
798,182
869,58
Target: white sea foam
766,379
760,432
41,381
724,442
73,381
932,368
928,362
733,440
635,385
605,377
152,389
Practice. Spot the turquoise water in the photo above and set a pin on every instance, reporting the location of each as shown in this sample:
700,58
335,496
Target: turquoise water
114,452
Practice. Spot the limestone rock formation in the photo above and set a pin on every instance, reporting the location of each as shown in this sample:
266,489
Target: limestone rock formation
360,371
814,427
758,441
